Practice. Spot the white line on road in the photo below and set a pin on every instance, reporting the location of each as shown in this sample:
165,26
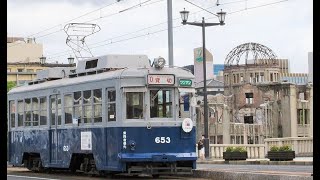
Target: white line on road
28,177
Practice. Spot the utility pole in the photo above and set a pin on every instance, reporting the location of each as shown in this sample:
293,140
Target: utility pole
170,33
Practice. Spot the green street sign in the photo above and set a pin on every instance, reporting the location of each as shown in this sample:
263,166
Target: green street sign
185,82
199,57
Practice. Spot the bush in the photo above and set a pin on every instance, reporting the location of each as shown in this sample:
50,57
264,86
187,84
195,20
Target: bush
274,148
235,149
229,149
281,148
285,148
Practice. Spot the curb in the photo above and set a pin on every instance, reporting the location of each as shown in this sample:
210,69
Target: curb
220,175
263,162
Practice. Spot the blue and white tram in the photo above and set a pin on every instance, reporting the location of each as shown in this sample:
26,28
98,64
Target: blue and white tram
111,114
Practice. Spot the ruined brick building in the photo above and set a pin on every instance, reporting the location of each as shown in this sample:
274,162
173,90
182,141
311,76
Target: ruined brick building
256,103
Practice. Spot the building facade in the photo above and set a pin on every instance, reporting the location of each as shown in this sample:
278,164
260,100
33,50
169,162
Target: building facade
257,103
23,60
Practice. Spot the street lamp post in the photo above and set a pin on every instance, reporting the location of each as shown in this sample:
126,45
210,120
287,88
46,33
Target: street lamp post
221,15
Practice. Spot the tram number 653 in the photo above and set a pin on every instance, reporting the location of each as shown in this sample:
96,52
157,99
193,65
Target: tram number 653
162,140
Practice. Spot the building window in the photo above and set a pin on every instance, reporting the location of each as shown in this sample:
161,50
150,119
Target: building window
271,77
302,119
241,78
251,76
30,70
249,98
248,119
20,70
261,77
257,77
8,70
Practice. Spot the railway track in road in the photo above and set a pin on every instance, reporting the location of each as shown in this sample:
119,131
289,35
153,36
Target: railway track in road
23,173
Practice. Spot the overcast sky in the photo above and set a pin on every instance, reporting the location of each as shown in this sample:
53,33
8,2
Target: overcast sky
286,27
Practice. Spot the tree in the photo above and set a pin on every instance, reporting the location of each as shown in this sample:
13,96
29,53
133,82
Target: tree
10,85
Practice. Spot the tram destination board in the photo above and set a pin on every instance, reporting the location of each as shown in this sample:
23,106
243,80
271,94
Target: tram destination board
161,79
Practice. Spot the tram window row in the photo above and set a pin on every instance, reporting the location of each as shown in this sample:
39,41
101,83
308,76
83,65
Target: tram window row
86,106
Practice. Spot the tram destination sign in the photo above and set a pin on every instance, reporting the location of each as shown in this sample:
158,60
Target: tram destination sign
161,79
185,82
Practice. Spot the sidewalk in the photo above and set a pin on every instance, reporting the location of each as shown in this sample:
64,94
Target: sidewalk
296,161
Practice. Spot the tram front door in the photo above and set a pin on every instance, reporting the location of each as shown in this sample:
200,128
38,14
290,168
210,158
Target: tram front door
55,120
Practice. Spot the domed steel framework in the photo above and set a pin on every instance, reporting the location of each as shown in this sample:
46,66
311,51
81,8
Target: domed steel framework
258,51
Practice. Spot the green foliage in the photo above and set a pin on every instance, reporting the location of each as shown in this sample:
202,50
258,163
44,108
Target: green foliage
281,148
235,149
285,148
10,85
229,149
274,148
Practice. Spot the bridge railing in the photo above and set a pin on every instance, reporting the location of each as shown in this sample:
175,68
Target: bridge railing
303,147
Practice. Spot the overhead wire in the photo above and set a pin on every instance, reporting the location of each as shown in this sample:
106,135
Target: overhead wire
68,21
147,34
101,17
122,40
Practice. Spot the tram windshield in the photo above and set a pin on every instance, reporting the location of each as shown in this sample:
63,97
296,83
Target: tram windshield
161,103
134,105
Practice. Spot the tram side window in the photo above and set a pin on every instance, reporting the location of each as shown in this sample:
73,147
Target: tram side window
12,113
87,106
27,111
134,105
53,110
20,113
43,111
68,108
111,94
97,105
59,109
77,105
160,103
184,105
35,111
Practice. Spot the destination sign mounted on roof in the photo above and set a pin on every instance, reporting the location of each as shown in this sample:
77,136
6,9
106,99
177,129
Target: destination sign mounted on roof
161,79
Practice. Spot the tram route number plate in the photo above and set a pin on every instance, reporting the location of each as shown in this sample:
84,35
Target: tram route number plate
162,140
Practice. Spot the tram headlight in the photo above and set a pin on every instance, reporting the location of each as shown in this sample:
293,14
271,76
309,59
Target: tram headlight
159,62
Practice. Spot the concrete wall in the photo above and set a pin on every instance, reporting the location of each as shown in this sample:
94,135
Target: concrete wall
24,52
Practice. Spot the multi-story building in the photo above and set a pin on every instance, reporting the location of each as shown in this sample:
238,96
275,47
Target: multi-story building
23,60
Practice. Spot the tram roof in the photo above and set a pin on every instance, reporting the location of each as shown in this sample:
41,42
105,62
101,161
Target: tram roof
126,72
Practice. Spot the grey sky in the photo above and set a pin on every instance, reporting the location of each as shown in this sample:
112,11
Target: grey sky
284,27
